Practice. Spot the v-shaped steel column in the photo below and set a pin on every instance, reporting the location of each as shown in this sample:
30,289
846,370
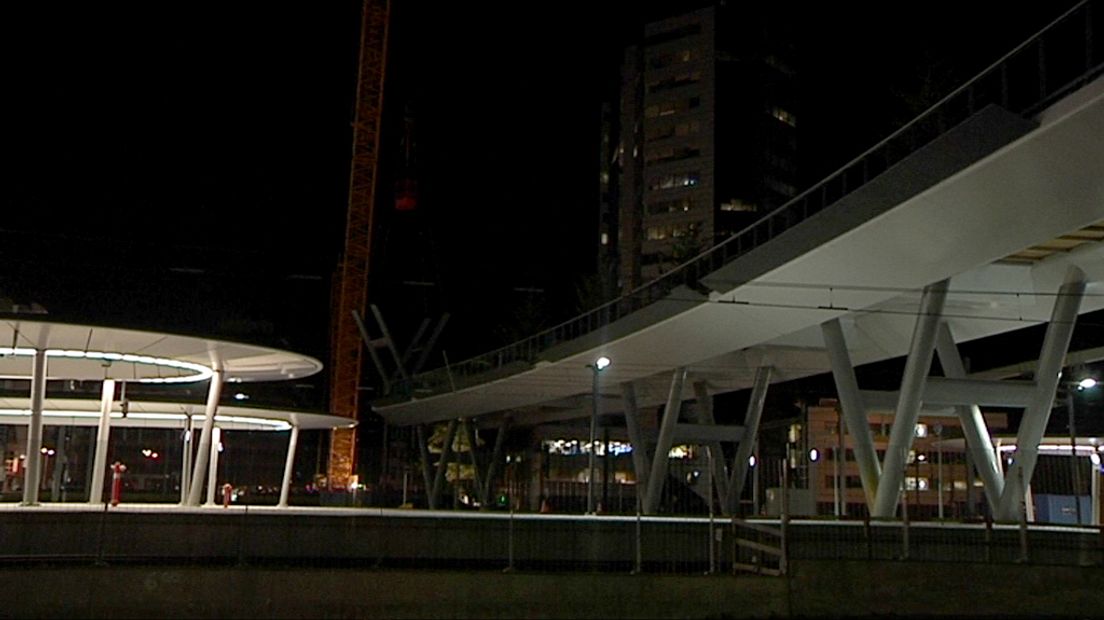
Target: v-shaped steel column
1035,417
640,458
974,428
854,410
917,367
442,465
658,475
705,416
738,471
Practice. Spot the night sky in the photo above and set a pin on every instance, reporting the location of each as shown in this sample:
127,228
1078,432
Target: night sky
185,166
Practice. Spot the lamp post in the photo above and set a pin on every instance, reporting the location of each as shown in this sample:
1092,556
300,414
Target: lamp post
1083,384
598,366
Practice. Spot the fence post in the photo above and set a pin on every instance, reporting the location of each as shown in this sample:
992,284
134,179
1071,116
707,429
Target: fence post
868,533
904,521
712,541
783,559
988,537
732,535
639,564
1023,519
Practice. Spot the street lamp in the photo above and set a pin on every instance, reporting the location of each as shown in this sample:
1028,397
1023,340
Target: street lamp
1084,384
598,366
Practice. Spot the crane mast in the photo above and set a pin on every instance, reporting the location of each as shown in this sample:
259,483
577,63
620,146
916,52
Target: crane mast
351,288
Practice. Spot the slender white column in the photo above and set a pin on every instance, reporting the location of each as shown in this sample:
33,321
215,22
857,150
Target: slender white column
33,474
1035,417
103,439
738,472
917,367
853,408
658,475
716,453
973,423
214,391
212,471
285,488
186,457
641,463
1094,493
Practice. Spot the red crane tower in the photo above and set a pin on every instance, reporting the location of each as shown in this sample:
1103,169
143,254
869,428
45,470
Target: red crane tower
350,291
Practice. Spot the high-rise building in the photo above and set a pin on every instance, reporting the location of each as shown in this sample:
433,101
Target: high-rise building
706,138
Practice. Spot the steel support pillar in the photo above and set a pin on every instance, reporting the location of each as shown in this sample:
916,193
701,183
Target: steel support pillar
427,467
469,435
103,438
1035,417
641,462
212,465
496,456
917,368
974,428
715,451
289,467
658,474
854,410
186,457
214,391
32,477
442,465
738,471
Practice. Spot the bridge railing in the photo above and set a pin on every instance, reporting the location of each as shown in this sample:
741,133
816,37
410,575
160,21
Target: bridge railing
1057,60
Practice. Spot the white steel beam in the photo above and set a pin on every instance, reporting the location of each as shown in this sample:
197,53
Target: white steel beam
103,438
658,475
289,467
940,392
640,459
203,454
738,471
917,367
854,410
974,429
32,476
712,441
1035,417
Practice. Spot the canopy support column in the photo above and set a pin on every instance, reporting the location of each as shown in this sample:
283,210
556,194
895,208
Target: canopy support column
289,467
214,392
33,474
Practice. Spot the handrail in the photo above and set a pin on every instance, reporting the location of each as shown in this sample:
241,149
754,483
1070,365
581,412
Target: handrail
1002,83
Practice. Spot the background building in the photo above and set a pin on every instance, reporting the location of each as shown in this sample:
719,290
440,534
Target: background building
707,138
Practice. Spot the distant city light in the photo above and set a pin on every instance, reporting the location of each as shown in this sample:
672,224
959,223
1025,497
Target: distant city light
241,396
1087,383
814,454
751,461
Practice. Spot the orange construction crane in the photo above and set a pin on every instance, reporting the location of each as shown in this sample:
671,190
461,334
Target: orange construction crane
351,288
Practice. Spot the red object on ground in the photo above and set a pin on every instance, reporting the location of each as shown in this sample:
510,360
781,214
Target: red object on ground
117,470
227,491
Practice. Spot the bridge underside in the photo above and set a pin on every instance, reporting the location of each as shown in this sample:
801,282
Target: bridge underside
998,215
971,227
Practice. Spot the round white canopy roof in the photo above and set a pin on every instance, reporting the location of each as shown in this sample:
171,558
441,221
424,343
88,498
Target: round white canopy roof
89,352
146,414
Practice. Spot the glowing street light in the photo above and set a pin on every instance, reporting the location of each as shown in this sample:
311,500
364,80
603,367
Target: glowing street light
598,366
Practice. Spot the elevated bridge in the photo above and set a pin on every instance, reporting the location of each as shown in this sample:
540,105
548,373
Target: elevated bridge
982,216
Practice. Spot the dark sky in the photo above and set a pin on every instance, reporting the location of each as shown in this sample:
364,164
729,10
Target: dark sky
186,164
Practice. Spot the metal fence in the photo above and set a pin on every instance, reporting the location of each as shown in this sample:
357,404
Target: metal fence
1056,61
521,542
